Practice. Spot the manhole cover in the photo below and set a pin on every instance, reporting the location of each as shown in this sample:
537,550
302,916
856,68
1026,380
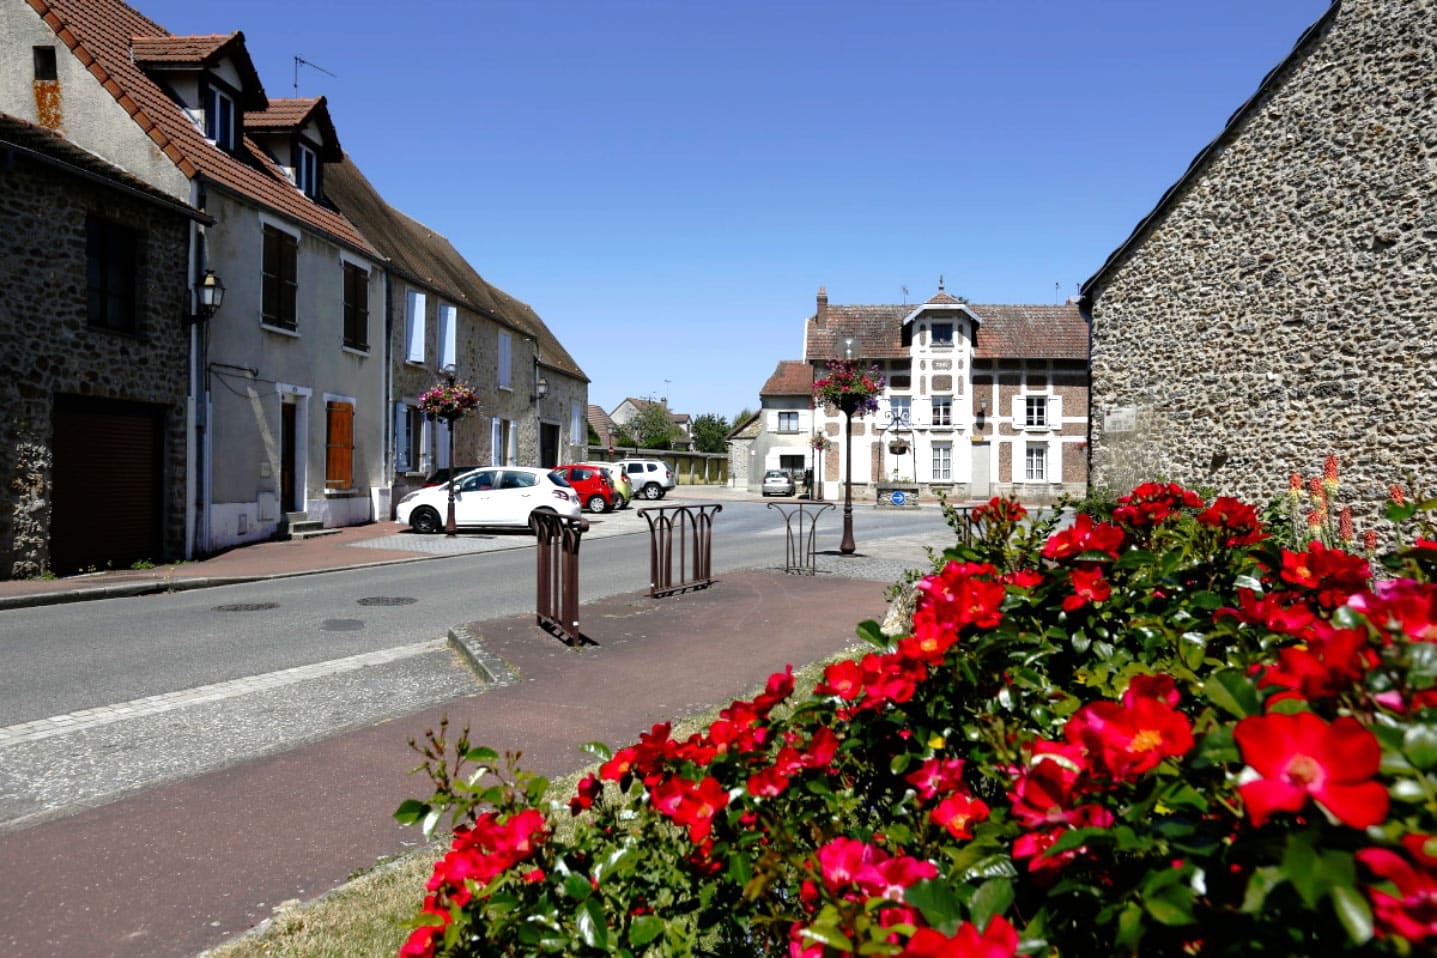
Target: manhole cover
341,625
247,607
388,600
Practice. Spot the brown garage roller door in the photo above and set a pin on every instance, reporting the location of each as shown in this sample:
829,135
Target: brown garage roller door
106,488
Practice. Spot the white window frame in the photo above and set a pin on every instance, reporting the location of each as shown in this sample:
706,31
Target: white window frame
934,341
1036,452
788,415
225,134
578,433
505,378
414,308
1036,404
942,462
306,171
448,336
943,404
410,439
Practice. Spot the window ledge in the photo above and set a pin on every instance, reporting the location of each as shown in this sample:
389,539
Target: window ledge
356,350
343,493
280,330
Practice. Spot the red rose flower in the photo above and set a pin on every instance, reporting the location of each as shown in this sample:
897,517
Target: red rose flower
1300,757
998,940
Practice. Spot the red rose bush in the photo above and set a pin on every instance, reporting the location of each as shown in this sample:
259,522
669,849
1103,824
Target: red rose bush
1156,730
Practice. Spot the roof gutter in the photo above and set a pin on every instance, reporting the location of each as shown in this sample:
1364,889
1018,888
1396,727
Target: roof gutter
156,199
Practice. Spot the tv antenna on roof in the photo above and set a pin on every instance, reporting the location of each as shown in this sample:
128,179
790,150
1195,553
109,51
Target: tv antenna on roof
297,61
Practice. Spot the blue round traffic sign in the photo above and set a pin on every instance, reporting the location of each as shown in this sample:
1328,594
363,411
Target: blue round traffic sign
898,498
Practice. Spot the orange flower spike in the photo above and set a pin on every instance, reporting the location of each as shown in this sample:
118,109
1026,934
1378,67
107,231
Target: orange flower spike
1329,475
1344,525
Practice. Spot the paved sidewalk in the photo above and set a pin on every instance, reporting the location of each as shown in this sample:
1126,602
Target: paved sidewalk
184,866
377,543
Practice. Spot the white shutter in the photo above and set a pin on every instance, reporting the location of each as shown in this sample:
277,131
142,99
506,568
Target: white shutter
496,442
505,380
448,351
1020,411
1055,412
513,455
401,438
414,326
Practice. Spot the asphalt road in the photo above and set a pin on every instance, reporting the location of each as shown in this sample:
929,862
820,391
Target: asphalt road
103,699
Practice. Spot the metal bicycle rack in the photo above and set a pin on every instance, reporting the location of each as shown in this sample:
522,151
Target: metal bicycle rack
685,532
801,555
558,573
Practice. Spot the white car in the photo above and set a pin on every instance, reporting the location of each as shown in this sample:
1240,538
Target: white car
501,496
652,478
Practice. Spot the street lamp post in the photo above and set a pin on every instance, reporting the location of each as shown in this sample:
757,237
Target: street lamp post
847,547
449,527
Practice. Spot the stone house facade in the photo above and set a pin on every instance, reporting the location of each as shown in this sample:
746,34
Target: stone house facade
781,434
981,400
93,360
1278,304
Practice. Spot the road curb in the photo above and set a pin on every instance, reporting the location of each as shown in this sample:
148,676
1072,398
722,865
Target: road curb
489,668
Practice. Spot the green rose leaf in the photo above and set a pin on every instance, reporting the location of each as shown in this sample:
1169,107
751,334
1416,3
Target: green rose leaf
939,904
590,921
645,929
599,750
485,756
1354,913
410,812
1419,744
993,898
1234,693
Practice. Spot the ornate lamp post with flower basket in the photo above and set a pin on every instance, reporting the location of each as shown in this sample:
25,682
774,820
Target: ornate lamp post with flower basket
855,392
449,401
821,444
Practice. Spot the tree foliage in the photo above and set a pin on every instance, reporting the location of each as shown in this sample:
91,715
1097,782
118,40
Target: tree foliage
709,432
653,426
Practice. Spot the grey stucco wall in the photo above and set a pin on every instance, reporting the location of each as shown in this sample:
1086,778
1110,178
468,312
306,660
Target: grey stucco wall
83,111
47,348
1285,305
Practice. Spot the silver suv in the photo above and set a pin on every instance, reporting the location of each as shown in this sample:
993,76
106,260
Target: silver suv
652,479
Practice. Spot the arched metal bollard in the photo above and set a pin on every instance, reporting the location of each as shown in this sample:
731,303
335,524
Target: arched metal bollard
557,582
692,528
801,554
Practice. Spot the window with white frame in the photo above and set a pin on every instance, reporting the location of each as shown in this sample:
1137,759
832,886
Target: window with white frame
942,334
788,421
1035,463
900,410
220,119
448,347
942,462
408,438
306,172
413,326
503,443
578,429
942,410
1035,412
505,379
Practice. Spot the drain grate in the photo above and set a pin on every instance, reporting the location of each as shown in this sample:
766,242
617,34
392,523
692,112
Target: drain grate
341,625
388,600
247,607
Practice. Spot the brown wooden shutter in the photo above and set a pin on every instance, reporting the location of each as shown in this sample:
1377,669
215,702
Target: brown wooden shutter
289,280
339,450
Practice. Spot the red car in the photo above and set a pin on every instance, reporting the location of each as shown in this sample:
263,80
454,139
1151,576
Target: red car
596,492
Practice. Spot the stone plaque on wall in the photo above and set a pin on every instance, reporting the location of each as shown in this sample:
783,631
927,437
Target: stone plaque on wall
1120,419
942,384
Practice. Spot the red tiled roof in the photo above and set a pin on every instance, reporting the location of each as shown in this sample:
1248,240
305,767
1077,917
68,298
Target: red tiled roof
1004,332
790,378
101,33
602,424
290,114
168,52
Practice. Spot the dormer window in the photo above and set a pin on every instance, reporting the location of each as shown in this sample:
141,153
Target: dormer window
220,119
942,334
306,172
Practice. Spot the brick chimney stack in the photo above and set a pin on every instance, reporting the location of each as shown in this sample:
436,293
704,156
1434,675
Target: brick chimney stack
820,318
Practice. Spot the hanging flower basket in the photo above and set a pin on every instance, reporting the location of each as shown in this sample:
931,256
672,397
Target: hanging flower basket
449,401
853,390
898,447
821,443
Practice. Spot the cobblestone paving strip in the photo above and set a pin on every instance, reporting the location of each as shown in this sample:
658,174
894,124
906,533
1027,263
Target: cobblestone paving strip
39,729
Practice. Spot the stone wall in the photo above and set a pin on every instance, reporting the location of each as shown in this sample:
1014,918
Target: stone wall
1282,306
47,348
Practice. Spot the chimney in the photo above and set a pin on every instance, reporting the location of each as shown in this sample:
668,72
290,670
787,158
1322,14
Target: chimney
820,318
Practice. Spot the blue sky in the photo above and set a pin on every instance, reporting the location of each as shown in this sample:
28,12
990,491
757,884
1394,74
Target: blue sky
669,183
